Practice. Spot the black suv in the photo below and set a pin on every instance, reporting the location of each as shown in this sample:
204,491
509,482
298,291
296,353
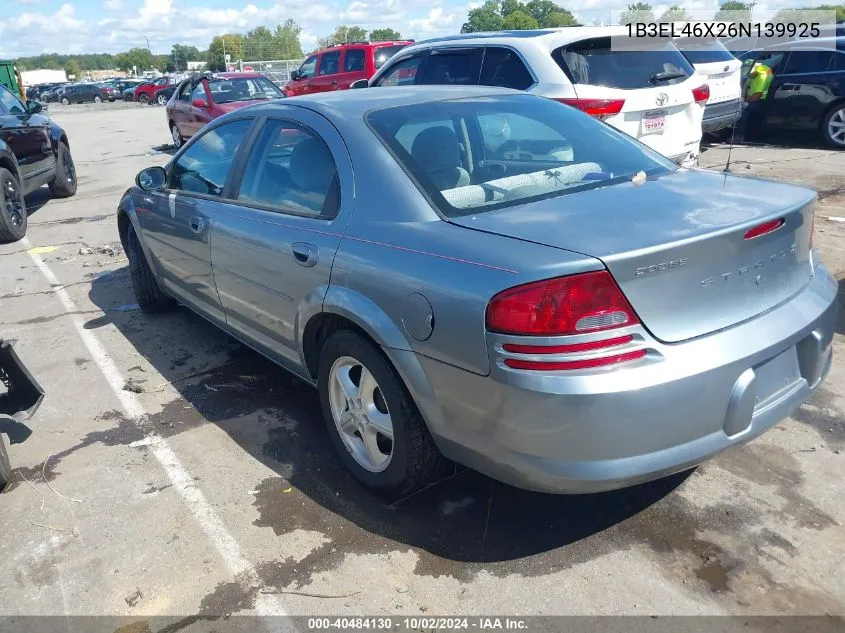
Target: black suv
34,151
82,93
807,92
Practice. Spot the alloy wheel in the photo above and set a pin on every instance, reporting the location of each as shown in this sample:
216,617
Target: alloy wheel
836,127
162,100
360,414
14,202
177,138
97,99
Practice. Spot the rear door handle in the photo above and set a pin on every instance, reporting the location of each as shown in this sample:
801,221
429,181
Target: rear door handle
197,224
304,254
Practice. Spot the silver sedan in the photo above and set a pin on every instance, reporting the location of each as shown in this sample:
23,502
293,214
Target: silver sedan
491,277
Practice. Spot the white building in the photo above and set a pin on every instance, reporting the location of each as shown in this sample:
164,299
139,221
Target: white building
44,76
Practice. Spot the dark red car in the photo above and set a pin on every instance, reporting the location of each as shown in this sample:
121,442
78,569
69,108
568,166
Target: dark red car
337,67
146,91
205,97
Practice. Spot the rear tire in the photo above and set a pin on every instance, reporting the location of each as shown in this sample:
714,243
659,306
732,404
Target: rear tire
147,292
414,459
64,184
144,98
5,465
833,127
13,217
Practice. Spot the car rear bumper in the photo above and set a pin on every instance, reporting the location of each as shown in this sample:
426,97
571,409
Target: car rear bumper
605,430
718,116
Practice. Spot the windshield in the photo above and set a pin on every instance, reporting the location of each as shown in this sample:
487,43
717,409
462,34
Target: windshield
244,89
704,52
476,155
596,62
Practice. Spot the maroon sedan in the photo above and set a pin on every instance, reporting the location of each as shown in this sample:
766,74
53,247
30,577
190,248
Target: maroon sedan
205,97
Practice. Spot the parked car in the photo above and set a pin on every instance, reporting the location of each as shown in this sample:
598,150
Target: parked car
204,97
337,67
37,92
34,151
807,93
722,70
82,93
108,91
19,399
162,95
654,96
146,91
52,94
129,91
559,307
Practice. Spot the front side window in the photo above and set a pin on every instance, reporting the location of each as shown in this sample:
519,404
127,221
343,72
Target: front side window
330,63
808,61
475,155
503,67
383,53
291,170
185,92
245,89
353,60
9,103
402,73
308,67
595,62
205,165
455,68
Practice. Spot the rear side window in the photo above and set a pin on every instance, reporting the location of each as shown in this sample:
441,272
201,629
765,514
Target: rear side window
802,61
353,60
452,68
704,52
383,53
402,73
329,63
205,165
503,67
594,62
291,170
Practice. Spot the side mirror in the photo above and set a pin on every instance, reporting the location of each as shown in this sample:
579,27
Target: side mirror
33,107
295,75
360,83
199,103
151,178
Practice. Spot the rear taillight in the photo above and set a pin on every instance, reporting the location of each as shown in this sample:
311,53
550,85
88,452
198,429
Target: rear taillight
588,302
701,94
601,108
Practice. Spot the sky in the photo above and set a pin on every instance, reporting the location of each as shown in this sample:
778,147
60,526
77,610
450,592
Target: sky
31,27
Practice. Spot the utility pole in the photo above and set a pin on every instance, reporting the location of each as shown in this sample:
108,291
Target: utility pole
148,45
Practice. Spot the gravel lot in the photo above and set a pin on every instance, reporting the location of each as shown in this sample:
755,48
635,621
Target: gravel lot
238,495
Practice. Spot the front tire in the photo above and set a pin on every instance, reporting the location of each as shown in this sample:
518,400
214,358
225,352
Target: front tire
176,136
98,99
161,100
147,292
13,217
65,101
833,127
373,423
144,98
64,184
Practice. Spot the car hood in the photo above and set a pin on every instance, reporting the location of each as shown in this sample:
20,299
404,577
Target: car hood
677,244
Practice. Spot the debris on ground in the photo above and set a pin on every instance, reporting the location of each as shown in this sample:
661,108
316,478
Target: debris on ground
134,385
133,598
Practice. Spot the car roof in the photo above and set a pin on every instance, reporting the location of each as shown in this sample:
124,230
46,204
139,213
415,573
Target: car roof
561,35
362,43
833,42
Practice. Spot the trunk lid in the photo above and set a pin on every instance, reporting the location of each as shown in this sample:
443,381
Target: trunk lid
676,245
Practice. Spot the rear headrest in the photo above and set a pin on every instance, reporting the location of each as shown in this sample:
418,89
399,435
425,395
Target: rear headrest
311,166
436,149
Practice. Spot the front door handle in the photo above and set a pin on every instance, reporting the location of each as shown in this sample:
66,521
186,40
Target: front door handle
304,254
197,224
334,82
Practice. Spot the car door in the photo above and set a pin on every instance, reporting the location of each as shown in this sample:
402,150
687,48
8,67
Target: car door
352,65
177,221
180,109
805,87
27,135
274,243
775,107
301,85
197,116
328,69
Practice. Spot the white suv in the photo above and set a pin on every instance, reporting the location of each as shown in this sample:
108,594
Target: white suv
654,96
722,71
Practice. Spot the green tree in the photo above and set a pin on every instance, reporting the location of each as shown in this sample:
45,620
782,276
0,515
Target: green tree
637,12
733,11
509,6
483,18
675,13
839,9
180,56
384,35
286,39
227,44
519,21
73,69
139,58
343,34
556,19
818,15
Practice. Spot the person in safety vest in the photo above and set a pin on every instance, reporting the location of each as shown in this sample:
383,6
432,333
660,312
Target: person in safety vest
756,90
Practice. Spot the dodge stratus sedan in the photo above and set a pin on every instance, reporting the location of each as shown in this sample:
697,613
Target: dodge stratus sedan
491,277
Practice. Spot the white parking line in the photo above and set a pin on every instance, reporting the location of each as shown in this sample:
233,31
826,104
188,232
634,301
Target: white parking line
182,481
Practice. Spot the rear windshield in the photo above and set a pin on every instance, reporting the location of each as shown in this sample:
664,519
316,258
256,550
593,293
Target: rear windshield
383,53
475,155
594,62
704,52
